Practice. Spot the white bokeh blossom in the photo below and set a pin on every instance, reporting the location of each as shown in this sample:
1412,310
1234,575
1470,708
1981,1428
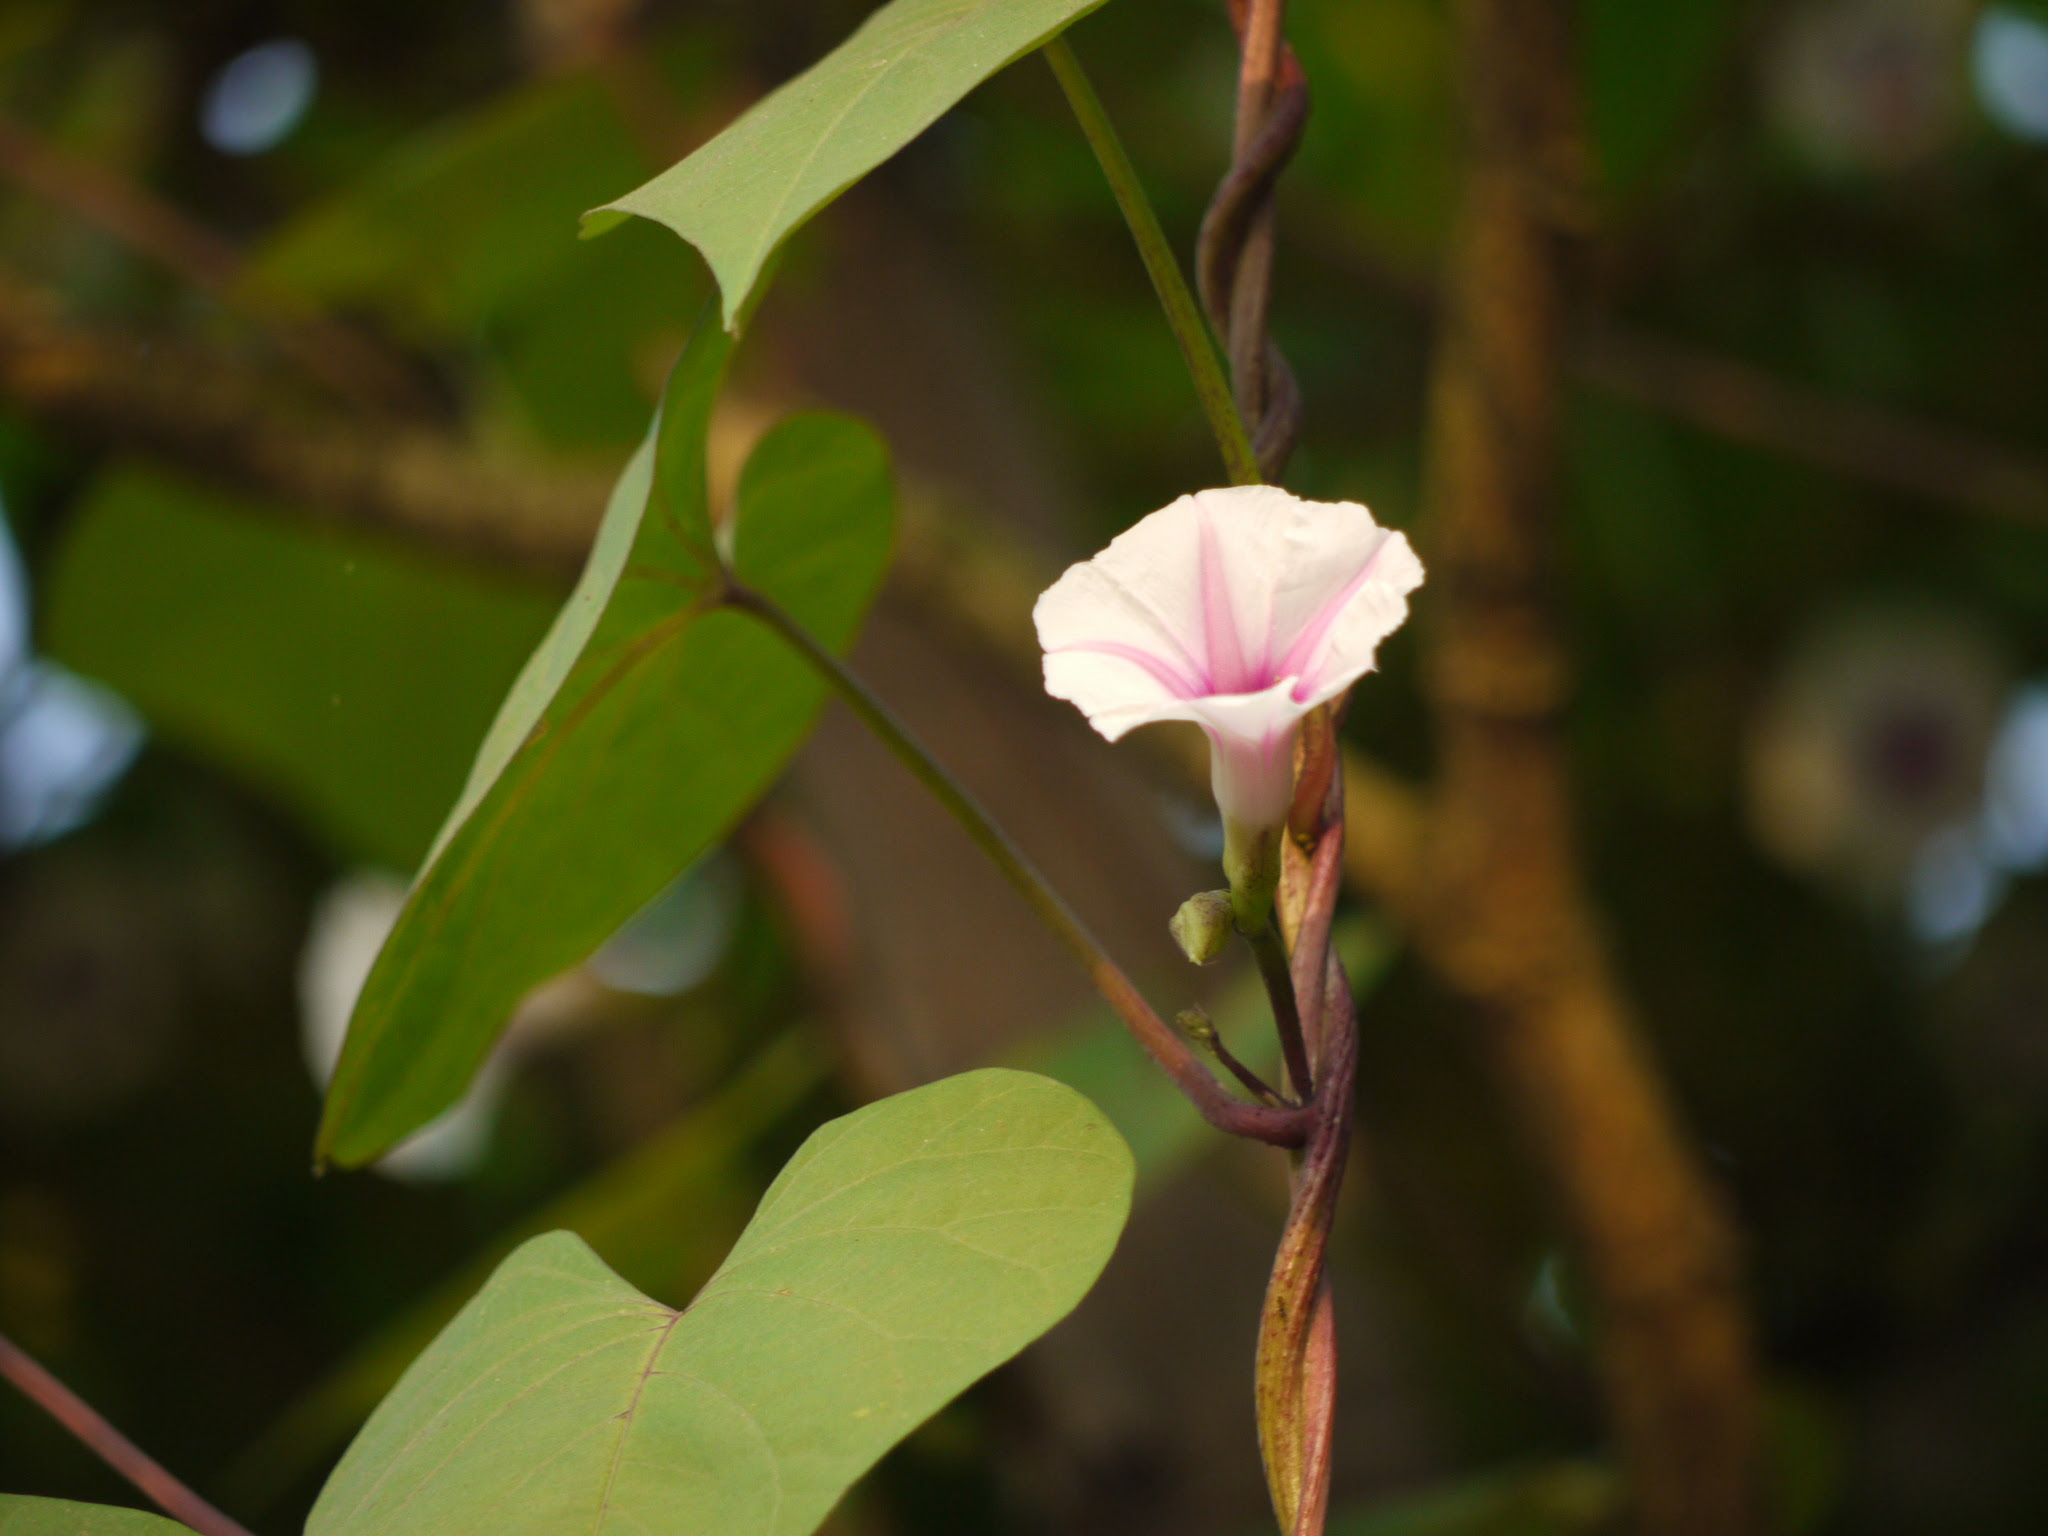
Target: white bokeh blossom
1238,609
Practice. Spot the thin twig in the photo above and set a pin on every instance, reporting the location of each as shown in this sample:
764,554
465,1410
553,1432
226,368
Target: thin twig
1201,1029
1296,1369
1318,909
1286,1127
1251,292
110,1445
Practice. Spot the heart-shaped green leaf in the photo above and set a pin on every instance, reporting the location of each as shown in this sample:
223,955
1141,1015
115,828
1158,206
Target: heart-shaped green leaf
660,1215
905,1251
738,197
648,720
24,1516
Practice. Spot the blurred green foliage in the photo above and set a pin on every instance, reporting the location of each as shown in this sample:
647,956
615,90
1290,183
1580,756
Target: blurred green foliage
293,659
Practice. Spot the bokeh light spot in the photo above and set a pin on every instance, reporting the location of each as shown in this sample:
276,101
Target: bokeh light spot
2016,791
63,740
2009,66
259,96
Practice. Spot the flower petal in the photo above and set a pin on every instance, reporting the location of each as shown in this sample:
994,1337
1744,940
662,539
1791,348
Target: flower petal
1253,780
1238,609
1340,640
1114,690
1143,591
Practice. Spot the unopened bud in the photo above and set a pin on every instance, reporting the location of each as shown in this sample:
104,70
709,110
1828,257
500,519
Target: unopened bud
1197,1026
1203,925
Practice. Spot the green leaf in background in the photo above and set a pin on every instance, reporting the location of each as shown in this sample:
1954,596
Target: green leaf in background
904,1252
642,728
1382,147
291,654
2035,9
457,221
1648,71
740,195
457,239
23,1516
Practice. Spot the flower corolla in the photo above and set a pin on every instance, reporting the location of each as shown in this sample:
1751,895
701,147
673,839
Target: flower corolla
1238,609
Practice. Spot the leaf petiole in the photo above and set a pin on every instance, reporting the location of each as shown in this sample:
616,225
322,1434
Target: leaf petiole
1197,346
1278,1126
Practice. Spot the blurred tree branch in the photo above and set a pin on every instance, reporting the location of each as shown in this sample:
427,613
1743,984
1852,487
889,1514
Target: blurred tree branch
1745,404
221,416
353,365
1726,397
1502,911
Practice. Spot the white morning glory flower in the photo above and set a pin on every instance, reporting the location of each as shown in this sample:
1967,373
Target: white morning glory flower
1240,610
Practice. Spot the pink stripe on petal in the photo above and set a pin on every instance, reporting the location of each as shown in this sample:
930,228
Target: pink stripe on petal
1298,654
1161,671
1227,670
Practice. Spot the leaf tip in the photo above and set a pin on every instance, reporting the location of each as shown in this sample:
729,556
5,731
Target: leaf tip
600,221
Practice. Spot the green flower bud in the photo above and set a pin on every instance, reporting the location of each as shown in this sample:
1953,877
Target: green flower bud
1203,925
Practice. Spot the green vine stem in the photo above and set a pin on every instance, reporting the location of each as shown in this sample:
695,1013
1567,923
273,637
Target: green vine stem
1277,973
1281,1127
1197,346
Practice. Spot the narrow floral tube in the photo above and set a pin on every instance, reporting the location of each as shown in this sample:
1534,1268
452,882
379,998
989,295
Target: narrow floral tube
1238,609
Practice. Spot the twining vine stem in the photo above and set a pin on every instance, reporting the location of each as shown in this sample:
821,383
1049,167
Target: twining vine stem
110,1445
1286,1126
1234,251
1296,1372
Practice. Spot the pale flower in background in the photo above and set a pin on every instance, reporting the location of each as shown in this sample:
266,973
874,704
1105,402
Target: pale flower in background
349,925
1239,610
671,945
1867,762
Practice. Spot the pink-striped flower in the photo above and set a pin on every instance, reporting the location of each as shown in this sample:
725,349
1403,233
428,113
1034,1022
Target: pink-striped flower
1240,610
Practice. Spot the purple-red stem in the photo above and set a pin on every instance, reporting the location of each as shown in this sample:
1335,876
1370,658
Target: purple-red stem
1283,1126
110,1445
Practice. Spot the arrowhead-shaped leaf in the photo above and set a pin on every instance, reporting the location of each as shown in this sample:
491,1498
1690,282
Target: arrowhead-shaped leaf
648,720
738,197
906,1250
24,1516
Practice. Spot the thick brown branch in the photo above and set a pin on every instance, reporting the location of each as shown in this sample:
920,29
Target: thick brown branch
1504,915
